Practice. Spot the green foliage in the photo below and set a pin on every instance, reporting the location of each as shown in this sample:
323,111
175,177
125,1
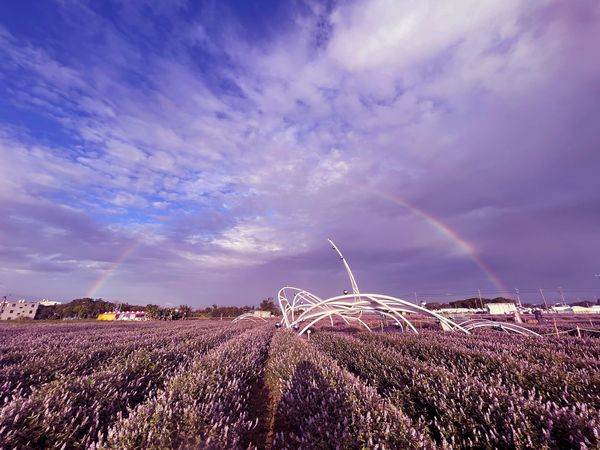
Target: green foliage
269,305
469,303
217,312
88,308
81,308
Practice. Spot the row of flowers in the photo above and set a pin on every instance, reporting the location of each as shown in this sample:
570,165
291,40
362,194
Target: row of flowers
318,405
462,407
206,405
38,341
73,410
38,359
537,366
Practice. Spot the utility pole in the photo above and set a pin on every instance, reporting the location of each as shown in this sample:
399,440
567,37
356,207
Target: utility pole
518,297
480,299
416,299
544,298
562,295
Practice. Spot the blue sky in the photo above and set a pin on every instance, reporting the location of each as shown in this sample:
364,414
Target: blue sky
217,145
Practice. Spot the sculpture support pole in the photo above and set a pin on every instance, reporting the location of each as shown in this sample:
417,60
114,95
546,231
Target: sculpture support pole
355,290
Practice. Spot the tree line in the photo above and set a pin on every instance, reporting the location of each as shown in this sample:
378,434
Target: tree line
89,308
474,302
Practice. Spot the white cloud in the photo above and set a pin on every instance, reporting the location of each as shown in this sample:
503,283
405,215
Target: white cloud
393,35
249,238
128,199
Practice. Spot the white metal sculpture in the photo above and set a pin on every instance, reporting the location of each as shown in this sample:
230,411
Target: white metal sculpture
472,324
301,309
249,316
299,306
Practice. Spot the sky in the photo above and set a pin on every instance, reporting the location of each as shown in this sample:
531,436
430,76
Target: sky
203,152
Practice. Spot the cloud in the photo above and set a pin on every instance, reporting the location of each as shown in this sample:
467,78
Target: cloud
229,154
392,35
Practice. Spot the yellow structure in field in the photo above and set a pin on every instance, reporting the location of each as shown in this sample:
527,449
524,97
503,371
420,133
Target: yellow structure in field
123,315
107,316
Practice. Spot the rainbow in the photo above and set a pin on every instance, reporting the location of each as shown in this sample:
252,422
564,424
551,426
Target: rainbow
465,246
106,274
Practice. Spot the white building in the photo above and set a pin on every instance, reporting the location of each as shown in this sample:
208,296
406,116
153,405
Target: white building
583,310
11,310
46,302
458,310
501,308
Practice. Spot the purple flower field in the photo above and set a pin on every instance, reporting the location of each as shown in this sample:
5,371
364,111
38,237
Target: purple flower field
213,384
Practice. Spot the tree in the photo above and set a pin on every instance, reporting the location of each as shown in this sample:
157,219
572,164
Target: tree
81,311
185,311
47,313
269,305
153,311
82,308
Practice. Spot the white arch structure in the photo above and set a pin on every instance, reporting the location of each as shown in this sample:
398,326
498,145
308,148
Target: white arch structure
302,309
248,316
472,324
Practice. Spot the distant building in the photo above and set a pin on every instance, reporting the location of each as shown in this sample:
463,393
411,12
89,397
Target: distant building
18,310
262,314
500,308
458,310
46,302
586,310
